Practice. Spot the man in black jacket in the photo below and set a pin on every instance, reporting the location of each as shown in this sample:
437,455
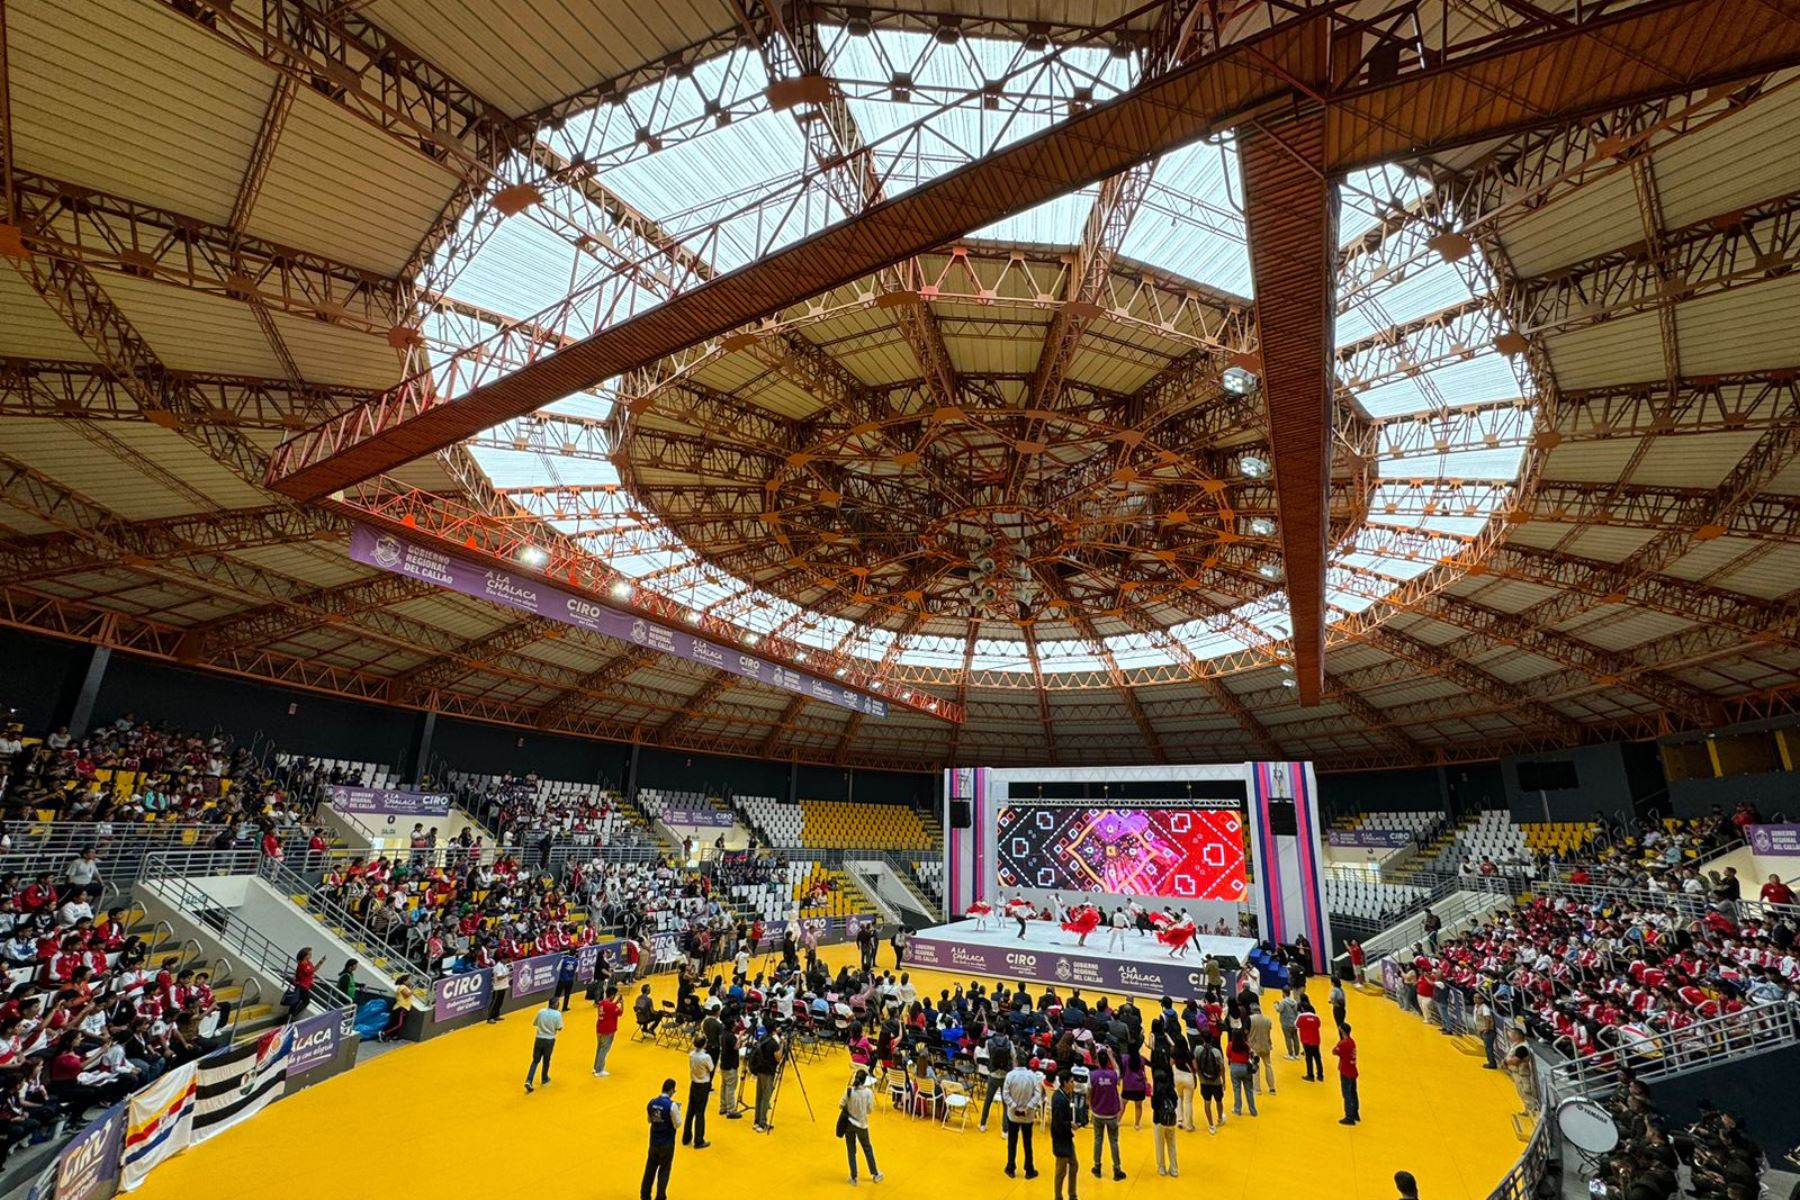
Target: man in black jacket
1062,1135
765,1061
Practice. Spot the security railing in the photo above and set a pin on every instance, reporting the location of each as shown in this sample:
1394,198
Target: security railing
173,878
1650,1055
1521,1182
393,946
1690,907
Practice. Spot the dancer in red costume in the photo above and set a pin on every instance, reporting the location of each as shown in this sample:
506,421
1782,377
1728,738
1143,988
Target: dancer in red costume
1020,910
1083,921
982,911
1177,936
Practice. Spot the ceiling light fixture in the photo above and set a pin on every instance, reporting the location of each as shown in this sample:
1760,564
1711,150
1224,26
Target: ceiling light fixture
1269,570
1253,466
621,589
692,616
1238,381
533,556
1262,527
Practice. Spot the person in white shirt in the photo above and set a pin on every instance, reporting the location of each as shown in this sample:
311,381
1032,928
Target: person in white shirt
906,993
740,964
1023,1090
700,1075
1115,936
502,981
548,1023
858,1104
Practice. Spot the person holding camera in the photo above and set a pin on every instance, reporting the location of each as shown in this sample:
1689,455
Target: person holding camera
664,1115
853,1123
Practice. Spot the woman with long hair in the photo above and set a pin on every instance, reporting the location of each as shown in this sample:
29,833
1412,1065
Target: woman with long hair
1134,1083
306,971
1163,1107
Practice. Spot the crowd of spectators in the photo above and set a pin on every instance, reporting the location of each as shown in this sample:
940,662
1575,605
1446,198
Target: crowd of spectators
88,1016
1723,1162
522,813
1622,975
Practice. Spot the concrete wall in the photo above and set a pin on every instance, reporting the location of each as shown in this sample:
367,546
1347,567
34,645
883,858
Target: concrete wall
1603,786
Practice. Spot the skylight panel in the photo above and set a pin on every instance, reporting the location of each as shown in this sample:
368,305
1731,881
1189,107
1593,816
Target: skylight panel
942,652
823,632
1502,463
609,131
1191,221
1055,222
1485,378
1455,526
1365,197
992,654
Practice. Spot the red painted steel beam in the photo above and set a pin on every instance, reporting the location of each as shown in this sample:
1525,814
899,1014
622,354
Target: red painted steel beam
1290,214
1395,97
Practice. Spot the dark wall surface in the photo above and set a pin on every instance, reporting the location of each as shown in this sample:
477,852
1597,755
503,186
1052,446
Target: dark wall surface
1759,1089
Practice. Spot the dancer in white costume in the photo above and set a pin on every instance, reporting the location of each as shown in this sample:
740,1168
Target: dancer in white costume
1115,935
982,911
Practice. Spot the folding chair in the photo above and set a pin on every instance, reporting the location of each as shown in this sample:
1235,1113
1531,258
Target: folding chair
956,1101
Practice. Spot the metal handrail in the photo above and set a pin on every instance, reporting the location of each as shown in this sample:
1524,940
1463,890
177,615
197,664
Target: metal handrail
247,941
1689,907
327,911
1521,1181
1717,1040
245,1000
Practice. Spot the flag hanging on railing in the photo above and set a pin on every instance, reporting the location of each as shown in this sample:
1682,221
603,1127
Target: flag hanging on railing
159,1123
241,1082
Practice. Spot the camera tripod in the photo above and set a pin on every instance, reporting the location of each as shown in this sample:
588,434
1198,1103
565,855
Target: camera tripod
781,1071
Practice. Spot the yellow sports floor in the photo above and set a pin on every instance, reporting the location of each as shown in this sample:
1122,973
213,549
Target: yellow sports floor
451,1118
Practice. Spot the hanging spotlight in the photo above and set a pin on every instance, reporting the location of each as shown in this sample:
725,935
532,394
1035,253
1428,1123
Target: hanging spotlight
1238,381
1262,527
1269,570
750,639
621,590
1253,467
692,616
533,556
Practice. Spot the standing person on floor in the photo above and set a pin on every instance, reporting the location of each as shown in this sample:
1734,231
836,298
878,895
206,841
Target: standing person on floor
1062,1135
1240,1062
1485,1029
898,941
1181,1064
1134,1081
700,1074
1106,1108
730,1056
606,1027
1262,1045
1024,1096
1310,1028
565,979
858,1103
1163,1106
1287,1009
1337,1002
765,1060
1209,1069
1347,1073
502,983
547,1024
1000,1061
865,945
665,1116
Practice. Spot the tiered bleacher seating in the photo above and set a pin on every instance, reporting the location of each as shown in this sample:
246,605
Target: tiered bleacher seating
839,825
374,775
657,801
1367,899
584,813
1562,838
1418,822
930,875
776,900
1494,836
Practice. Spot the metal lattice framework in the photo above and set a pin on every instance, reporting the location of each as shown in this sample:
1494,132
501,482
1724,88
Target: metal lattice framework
1002,482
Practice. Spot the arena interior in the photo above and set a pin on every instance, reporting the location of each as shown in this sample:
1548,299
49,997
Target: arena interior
1059,559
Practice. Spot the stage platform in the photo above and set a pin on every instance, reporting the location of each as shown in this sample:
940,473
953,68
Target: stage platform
1048,954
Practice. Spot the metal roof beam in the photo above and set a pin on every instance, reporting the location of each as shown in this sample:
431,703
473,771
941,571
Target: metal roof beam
1376,108
92,392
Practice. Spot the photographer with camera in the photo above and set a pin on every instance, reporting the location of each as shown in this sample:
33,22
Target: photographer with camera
765,1062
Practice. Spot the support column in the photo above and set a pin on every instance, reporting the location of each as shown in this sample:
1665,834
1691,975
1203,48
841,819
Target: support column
81,710
421,748
631,774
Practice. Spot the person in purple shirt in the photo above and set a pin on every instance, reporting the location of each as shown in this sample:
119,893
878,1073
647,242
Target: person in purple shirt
1105,1107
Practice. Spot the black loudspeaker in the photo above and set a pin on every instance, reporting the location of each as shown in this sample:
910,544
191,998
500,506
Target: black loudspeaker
962,814
1227,962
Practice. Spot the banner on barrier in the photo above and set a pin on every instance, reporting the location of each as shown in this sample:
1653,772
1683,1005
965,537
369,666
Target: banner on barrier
459,995
1778,841
88,1167
698,818
159,1123
237,1084
316,1039
391,803
538,973
1373,839
1072,970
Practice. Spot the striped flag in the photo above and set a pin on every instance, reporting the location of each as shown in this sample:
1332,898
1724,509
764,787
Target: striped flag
241,1082
159,1123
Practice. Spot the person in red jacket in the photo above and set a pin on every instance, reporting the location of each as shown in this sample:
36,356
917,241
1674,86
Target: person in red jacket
1777,892
1345,1050
1307,1025
606,1025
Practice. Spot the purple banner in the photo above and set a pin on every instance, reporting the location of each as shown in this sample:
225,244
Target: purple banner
88,1167
460,995
527,594
316,1039
538,973
1373,839
700,818
389,803
1779,841
1069,970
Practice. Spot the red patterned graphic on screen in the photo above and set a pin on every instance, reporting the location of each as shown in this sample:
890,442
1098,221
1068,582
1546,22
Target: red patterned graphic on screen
1181,853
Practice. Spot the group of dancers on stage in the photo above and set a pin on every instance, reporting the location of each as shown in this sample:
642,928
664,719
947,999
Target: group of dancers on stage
1173,928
